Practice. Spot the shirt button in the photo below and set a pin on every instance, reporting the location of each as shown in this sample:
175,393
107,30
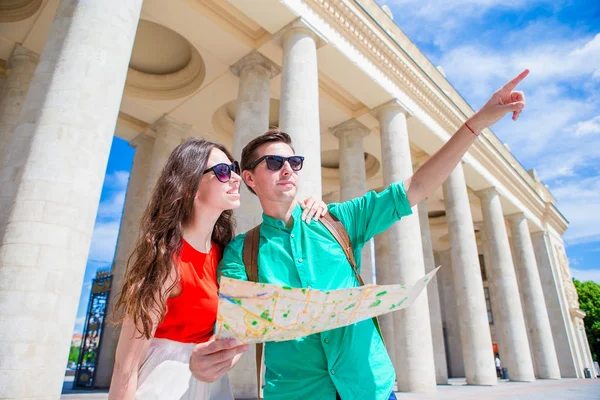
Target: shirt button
332,372
309,287
326,341
292,235
300,260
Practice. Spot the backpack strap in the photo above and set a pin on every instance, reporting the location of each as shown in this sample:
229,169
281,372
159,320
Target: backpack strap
336,228
250,257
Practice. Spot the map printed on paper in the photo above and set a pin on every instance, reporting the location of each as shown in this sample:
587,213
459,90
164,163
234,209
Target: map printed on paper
259,312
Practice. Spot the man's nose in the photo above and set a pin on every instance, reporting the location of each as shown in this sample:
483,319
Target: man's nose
287,168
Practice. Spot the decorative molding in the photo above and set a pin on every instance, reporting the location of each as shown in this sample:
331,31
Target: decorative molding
563,266
233,20
18,10
167,86
385,56
334,93
132,122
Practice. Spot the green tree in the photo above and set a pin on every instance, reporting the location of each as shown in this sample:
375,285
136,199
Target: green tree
74,354
589,301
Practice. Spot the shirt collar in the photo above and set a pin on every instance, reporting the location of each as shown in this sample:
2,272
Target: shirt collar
277,223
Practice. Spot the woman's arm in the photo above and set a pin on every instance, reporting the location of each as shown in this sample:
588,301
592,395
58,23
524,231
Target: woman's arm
131,351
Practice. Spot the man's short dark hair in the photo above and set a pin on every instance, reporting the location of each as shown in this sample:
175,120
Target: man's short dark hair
249,151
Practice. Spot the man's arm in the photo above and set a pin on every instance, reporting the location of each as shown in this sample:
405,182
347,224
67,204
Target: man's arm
373,213
439,166
232,263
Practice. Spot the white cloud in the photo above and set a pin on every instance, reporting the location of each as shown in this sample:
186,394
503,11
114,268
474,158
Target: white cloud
479,70
584,275
104,241
589,127
440,10
112,208
117,179
579,201
442,22
79,322
558,132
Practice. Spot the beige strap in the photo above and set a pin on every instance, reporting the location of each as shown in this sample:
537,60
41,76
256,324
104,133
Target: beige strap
250,257
336,228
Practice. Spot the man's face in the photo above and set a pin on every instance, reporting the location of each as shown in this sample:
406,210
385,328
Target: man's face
277,186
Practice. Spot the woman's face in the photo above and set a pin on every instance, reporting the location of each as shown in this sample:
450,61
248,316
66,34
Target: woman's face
216,194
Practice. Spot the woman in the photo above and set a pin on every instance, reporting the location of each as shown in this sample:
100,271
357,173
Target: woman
169,299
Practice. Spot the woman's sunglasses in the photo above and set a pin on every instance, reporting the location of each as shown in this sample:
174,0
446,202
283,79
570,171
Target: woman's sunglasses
223,171
275,163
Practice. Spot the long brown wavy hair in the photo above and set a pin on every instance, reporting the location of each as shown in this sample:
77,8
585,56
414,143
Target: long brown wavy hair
143,297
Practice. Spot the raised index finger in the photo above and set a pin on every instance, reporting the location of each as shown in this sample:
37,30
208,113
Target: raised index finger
515,81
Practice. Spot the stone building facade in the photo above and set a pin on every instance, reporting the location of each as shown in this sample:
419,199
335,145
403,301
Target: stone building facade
361,102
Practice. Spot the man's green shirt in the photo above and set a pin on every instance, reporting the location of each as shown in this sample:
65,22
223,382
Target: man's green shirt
351,359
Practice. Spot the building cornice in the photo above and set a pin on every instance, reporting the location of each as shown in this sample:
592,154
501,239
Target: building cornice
433,94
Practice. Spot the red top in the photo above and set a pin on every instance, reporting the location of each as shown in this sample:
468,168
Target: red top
191,316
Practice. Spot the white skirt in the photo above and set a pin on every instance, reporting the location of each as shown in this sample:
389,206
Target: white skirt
165,375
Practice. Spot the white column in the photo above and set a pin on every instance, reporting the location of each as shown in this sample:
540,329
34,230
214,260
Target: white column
21,64
251,120
168,133
353,178
415,367
435,313
508,318
532,298
552,288
128,235
386,321
299,107
56,164
472,313
450,320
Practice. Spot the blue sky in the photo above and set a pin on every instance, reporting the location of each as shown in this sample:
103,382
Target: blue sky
481,44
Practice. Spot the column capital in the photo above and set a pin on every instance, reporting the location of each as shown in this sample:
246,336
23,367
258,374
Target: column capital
21,55
538,233
351,127
171,125
516,217
392,105
299,25
139,139
487,192
255,59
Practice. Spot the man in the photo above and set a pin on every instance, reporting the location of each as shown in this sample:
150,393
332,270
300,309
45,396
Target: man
498,367
349,362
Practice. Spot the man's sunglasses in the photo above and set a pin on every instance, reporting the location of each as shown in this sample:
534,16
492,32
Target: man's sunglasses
223,171
275,163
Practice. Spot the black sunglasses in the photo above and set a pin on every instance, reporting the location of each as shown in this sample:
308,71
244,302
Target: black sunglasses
275,163
223,171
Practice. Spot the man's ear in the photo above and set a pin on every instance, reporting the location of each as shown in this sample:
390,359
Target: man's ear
248,178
